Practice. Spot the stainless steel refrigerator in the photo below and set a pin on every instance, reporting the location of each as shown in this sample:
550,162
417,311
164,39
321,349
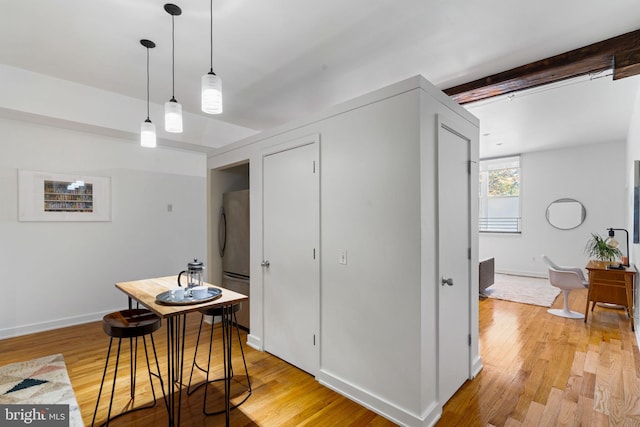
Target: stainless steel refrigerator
233,241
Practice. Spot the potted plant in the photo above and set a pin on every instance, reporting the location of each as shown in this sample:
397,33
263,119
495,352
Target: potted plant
601,249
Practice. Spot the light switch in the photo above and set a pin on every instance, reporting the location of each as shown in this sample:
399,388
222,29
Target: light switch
342,256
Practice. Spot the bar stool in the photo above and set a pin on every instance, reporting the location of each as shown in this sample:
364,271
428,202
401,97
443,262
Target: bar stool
217,312
132,324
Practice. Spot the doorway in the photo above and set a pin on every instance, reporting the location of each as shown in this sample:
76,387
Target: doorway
223,180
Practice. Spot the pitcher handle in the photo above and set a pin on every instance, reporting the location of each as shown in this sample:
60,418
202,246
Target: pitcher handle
180,284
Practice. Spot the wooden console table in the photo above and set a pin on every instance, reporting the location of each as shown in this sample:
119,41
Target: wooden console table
610,286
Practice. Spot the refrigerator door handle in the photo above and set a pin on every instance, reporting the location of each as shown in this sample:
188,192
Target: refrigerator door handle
222,233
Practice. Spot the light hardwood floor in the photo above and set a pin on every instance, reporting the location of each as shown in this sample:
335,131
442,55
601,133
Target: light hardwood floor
539,370
544,370
282,394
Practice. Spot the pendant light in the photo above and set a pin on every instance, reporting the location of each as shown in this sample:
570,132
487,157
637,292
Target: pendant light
148,129
173,109
211,84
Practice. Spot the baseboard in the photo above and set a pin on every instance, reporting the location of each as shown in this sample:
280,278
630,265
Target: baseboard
254,342
380,406
53,324
523,273
476,367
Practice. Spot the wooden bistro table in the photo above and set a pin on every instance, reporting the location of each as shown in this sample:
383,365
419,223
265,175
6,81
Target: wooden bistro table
610,286
145,291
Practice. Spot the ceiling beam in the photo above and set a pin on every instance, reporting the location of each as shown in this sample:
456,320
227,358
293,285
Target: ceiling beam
621,53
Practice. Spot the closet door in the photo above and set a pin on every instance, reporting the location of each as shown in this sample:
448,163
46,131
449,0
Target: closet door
290,255
454,231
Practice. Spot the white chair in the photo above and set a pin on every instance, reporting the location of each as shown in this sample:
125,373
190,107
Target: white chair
566,278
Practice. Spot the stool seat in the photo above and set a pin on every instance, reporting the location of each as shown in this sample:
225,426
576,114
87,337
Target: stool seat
217,311
130,323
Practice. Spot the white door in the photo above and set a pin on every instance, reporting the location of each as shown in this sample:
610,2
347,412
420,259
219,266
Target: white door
454,263
290,253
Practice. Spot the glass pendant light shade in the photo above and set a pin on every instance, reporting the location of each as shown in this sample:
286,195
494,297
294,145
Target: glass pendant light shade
211,93
148,134
173,116
211,85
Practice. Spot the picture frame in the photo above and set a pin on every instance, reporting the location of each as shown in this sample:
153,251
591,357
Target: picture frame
47,196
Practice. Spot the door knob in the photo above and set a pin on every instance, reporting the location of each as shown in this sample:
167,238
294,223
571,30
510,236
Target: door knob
447,281
265,263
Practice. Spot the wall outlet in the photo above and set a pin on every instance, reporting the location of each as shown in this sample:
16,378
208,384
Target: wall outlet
169,207
342,256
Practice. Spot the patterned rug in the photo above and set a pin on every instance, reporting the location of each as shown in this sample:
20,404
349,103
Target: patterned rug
527,290
41,381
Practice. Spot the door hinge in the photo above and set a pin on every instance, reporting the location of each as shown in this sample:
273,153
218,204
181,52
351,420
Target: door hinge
314,253
469,340
468,253
314,166
314,339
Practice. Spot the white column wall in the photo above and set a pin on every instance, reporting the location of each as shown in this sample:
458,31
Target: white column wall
56,274
378,312
370,206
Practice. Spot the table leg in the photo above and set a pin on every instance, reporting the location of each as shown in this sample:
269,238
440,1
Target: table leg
176,328
628,279
586,310
226,343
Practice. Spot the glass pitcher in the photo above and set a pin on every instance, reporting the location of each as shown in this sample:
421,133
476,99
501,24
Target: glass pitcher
193,273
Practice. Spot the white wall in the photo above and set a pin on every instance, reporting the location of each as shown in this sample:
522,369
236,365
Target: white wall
591,174
62,273
632,154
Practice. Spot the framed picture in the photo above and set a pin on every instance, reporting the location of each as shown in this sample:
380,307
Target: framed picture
44,196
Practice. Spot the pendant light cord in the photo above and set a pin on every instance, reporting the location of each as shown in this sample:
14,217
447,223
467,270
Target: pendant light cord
148,84
211,35
173,59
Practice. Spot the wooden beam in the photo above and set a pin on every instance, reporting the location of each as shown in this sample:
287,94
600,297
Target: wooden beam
627,63
622,53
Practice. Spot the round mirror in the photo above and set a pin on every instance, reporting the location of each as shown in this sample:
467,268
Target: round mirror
566,214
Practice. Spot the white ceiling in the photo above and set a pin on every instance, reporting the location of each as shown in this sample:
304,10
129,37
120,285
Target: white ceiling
585,110
281,60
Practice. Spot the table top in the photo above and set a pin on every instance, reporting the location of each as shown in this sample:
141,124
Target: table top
602,265
145,291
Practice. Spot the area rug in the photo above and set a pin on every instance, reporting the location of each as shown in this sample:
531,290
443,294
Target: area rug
42,381
526,290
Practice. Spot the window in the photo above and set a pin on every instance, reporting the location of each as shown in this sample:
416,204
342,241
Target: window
499,188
